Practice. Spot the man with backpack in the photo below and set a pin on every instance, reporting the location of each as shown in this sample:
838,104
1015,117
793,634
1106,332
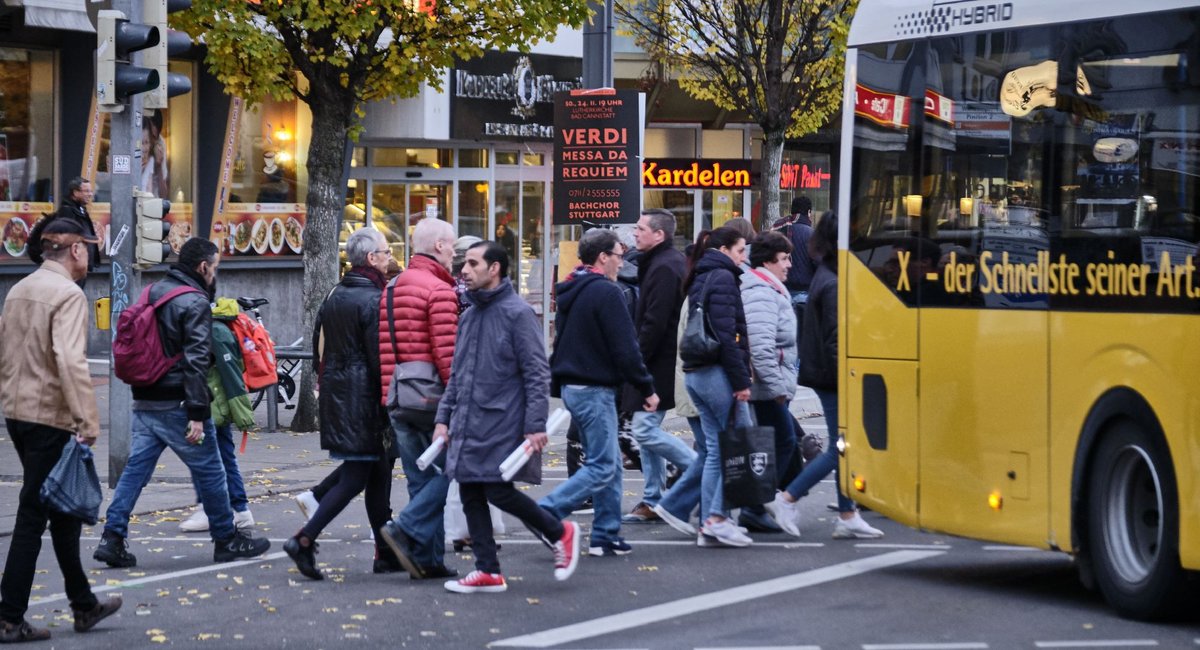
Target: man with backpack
171,407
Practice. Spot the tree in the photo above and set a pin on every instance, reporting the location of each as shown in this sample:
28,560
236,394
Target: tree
335,55
779,61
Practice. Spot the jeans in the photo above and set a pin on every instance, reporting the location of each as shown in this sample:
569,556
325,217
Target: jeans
712,394
151,433
771,413
658,448
827,462
475,499
423,518
233,475
595,408
39,448
684,496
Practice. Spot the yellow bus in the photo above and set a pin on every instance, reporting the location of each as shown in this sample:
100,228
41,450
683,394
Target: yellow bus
1019,300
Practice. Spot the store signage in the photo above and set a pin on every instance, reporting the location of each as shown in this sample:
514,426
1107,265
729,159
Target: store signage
890,109
597,149
509,96
799,176
692,174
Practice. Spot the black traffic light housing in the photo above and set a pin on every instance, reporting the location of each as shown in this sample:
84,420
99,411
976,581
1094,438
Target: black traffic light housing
116,76
171,43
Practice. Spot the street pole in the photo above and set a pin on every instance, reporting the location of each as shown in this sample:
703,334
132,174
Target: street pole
125,129
597,46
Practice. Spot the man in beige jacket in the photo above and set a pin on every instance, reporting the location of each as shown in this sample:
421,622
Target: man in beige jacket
47,398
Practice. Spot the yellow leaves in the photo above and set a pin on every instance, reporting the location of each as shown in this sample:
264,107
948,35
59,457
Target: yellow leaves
647,568
533,601
156,635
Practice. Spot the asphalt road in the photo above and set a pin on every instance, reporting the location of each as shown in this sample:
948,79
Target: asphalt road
908,590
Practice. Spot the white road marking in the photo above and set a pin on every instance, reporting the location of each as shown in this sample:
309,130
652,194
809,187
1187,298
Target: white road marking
1016,549
1103,643
767,647
704,602
925,646
909,547
137,582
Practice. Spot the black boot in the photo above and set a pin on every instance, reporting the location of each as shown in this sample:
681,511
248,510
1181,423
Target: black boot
385,560
304,556
114,551
240,546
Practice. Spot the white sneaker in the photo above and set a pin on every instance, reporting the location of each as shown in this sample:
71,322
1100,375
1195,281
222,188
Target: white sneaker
673,521
308,504
704,541
197,523
787,514
726,533
855,528
243,520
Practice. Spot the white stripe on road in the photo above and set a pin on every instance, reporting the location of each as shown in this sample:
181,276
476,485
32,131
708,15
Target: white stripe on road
1107,643
1016,549
137,582
925,646
906,547
704,602
766,647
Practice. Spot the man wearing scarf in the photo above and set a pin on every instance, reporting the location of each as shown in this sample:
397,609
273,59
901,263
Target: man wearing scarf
174,412
595,352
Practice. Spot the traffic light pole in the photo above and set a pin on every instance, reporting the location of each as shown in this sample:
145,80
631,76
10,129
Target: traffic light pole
125,130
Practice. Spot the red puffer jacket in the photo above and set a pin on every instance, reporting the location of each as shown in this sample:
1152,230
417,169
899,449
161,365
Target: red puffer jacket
425,309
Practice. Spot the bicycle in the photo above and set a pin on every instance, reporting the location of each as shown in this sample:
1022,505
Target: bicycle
285,368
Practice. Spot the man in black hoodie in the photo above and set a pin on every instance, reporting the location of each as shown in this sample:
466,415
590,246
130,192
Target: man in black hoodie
595,351
175,412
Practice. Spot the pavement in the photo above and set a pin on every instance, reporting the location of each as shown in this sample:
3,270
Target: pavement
278,463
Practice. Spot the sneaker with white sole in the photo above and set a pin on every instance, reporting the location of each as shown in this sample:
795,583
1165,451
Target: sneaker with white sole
705,541
673,521
308,504
477,582
566,551
617,546
855,528
197,523
726,533
243,520
786,513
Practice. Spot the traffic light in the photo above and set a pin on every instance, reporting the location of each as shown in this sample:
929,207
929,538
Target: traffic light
170,43
116,76
151,230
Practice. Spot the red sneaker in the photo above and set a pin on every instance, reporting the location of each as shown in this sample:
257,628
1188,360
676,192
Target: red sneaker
490,583
566,551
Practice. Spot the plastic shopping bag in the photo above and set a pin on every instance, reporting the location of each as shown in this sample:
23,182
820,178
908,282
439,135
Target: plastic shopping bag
73,488
456,521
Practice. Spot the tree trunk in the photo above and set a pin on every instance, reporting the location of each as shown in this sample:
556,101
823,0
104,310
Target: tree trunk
772,164
331,119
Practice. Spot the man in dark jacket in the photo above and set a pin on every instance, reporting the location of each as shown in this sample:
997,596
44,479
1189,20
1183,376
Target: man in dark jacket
798,229
496,401
594,353
660,278
174,412
74,207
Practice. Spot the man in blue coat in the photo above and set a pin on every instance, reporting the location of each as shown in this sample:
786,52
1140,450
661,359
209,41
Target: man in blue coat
495,401
595,352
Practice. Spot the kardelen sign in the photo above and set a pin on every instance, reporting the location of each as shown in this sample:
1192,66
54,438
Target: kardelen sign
597,146
688,173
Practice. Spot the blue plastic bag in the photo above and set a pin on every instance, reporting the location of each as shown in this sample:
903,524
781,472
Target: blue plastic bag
73,487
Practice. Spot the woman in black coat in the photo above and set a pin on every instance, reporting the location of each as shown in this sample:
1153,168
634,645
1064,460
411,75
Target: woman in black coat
354,425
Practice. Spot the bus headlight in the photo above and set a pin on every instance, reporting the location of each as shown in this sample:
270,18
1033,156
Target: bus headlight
841,445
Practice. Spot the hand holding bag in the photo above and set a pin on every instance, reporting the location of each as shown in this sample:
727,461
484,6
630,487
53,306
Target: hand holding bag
416,387
72,487
748,464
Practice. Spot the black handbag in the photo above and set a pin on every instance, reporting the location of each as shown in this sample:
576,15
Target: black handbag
699,347
416,388
748,464
73,487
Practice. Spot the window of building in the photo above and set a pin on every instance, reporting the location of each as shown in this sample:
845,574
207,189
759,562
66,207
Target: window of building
27,138
473,158
508,158
410,157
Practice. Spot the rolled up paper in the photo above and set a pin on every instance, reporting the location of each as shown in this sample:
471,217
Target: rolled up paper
558,421
424,460
515,461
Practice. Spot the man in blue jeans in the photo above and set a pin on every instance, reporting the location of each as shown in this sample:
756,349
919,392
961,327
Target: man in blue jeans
175,412
595,351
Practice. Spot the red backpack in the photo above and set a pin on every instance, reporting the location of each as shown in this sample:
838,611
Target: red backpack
258,352
138,355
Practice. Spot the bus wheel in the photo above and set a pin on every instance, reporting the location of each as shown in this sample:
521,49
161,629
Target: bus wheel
1133,523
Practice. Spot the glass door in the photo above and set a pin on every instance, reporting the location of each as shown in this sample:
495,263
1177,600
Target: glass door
397,208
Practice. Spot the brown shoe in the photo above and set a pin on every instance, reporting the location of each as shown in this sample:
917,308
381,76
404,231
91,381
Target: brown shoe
641,514
86,620
21,632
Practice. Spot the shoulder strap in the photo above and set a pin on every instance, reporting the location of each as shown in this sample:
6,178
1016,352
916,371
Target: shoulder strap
170,295
391,297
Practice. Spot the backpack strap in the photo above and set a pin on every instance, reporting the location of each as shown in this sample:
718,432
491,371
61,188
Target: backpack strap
169,296
391,295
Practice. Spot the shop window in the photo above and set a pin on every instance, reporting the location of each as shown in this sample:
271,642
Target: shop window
533,159
721,144
409,157
354,215
719,206
680,203
358,157
27,136
671,143
507,158
472,208
473,158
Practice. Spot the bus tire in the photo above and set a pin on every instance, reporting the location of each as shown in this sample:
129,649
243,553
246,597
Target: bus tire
1133,523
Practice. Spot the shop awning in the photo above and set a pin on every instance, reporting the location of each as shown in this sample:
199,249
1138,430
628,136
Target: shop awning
55,14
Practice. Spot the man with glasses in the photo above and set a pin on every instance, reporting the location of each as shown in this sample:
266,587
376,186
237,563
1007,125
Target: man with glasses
417,327
74,209
595,352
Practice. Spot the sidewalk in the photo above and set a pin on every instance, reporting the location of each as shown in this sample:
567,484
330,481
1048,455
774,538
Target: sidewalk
274,463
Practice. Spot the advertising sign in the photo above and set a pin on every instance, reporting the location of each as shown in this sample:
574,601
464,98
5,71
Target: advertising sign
597,157
509,95
16,220
260,229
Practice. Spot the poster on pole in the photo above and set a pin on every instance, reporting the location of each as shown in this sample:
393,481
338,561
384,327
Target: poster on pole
598,157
